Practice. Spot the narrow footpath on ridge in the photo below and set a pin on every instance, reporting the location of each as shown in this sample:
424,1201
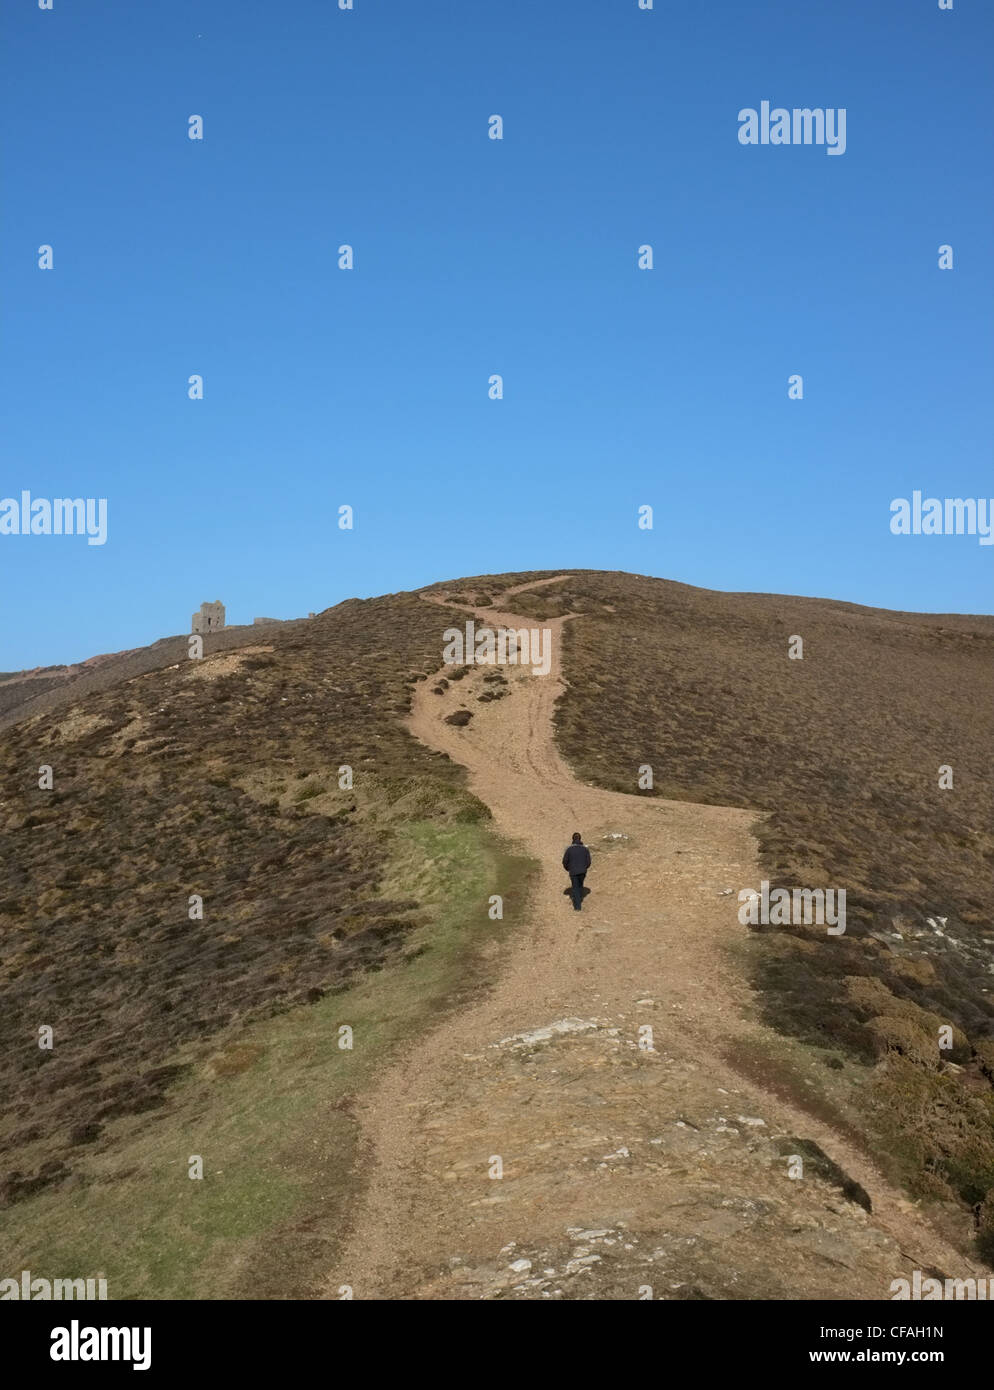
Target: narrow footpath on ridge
624,1170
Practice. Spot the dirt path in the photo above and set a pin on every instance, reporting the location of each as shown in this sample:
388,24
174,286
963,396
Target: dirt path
623,1169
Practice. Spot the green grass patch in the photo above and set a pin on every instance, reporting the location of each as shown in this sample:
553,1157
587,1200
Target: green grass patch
269,1110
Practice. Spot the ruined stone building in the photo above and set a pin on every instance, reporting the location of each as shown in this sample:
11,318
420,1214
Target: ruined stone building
210,618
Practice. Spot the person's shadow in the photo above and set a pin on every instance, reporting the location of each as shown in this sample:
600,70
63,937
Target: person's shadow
584,893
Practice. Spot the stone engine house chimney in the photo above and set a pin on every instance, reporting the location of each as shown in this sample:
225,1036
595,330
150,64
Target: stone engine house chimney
210,618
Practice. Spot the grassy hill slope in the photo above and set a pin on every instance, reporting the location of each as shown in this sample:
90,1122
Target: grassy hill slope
179,1035
326,906
841,752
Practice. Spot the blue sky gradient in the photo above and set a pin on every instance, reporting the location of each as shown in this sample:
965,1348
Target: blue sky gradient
370,387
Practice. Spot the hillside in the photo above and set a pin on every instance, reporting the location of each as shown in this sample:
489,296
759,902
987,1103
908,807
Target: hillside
841,751
24,693
217,778
327,905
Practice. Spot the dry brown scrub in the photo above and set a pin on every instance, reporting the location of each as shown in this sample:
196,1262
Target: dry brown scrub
841,753
218,779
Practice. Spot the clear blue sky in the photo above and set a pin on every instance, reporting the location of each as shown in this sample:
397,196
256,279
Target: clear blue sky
474,257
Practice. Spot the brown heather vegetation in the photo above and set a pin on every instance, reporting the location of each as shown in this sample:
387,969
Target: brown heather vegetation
841,752
219,778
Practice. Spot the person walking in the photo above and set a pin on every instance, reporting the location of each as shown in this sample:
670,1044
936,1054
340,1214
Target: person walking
576,862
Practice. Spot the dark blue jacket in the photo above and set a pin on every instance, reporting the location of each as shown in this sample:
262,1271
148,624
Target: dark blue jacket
576,860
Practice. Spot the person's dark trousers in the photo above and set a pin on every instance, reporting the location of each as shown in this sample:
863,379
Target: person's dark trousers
576,889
